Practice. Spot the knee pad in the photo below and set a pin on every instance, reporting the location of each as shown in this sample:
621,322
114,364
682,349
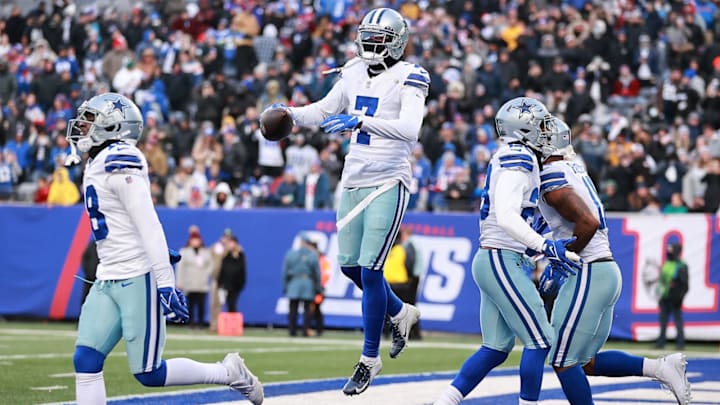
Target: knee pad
88,360
155,378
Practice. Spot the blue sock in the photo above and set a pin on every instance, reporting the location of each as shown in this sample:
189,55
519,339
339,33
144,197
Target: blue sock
374,306
532,363
354,274
394,303
476,368
575,385
614,363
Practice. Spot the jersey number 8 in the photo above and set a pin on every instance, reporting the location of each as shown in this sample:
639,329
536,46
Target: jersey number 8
97,219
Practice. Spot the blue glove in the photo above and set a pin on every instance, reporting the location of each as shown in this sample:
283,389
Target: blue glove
174,256
551,280
555,251
174,304
340,123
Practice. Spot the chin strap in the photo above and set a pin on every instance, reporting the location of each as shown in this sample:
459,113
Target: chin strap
73,158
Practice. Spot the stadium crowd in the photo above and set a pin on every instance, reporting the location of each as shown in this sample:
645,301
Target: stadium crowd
638,81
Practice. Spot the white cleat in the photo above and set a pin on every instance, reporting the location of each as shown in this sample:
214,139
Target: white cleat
401,330
672,375
241,379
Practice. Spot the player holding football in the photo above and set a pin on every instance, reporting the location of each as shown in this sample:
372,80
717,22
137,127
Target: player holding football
381,102
583,311
510,305
135,282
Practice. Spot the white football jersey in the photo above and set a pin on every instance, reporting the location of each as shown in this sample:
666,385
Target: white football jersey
564,173
380,150
119,245
513,156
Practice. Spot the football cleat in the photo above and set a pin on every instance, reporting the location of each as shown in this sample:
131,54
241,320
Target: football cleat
362,377
241,379
401,330
672,375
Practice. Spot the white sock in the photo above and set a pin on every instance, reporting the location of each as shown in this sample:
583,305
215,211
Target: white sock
370,361
451,396
650,367
526,402
90,388
182,371
400,315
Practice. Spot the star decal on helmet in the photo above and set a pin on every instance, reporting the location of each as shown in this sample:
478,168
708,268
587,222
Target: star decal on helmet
524,107
118,105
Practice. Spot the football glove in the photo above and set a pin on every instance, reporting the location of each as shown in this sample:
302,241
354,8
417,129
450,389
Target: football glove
174,256
174,304
340,123
551,280
555,251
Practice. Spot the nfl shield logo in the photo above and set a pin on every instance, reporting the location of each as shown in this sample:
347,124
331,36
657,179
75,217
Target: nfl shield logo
128,179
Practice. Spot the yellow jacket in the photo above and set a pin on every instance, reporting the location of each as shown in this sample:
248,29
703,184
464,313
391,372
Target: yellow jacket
395,271
62,190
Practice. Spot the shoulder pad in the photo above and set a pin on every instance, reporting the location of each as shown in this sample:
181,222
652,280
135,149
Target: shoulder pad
418,77
123,157
551,178
516,158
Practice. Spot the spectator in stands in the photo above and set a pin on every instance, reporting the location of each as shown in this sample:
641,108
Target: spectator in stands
62,190
178,191
287,193
459,191
673,288
712,190
9,172
314,192
222,198
233,271
301,282
193,275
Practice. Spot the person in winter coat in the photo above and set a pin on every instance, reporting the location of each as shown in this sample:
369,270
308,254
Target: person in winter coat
193,275
301,281
233,273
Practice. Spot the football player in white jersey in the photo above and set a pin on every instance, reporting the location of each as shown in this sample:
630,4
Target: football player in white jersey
135,283
510,305
583,311
379,99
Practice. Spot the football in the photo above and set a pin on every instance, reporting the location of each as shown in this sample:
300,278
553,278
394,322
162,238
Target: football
275,123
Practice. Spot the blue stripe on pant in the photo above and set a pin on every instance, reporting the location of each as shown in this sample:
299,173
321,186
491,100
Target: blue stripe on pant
511,306
583,311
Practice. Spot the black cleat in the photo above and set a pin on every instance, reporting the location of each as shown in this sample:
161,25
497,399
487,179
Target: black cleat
362,377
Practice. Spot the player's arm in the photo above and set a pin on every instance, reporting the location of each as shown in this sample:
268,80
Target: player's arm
132,190
407,126
334,102
571,207
507,200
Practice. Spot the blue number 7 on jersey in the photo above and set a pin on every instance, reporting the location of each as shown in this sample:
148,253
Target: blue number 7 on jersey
368,105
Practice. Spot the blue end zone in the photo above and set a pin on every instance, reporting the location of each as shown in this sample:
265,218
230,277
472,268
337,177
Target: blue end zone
706,368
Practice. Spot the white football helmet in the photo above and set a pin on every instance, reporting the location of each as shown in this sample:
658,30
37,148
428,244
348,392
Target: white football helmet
382,33
102,118
560,143
525,120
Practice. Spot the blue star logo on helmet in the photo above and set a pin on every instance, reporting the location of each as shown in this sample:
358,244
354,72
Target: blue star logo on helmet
524,107
118,105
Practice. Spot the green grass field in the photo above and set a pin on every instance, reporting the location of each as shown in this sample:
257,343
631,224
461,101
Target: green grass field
36,358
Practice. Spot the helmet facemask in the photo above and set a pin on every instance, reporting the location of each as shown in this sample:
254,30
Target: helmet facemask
382,34
80,130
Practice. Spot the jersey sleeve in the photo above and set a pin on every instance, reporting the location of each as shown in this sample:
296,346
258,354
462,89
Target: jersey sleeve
552,178
125,159
418,78
519,159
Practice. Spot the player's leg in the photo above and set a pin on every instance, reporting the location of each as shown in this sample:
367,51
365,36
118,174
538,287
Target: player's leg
498,341
520,305
668,370
381,222
143,327
98,332
350,240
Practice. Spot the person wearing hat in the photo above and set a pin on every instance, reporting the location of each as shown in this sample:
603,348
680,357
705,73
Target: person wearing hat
301,282
193,275
673,285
